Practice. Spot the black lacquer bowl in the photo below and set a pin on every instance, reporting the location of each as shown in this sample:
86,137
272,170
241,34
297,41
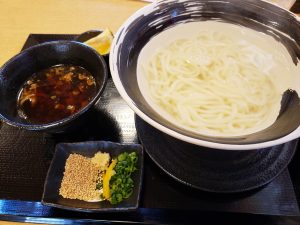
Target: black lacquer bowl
17,70
161,15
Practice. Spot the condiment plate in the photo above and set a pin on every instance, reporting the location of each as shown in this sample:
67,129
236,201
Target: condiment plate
54,177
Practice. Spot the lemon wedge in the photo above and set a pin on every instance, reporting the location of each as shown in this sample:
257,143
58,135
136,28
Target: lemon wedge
102,42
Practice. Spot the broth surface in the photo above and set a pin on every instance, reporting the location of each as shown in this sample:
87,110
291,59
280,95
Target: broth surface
56,93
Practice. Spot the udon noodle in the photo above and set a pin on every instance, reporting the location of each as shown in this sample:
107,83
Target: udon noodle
212,84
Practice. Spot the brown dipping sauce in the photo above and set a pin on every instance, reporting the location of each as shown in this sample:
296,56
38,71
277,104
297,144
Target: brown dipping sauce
56,93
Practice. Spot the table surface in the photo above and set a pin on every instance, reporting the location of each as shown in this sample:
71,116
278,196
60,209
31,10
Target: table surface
19,18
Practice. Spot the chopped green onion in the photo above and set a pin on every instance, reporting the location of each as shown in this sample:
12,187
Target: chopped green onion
121,184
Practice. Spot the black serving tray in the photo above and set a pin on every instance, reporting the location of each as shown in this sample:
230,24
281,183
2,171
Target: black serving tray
25,157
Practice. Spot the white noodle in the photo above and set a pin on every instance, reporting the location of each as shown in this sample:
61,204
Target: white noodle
212,84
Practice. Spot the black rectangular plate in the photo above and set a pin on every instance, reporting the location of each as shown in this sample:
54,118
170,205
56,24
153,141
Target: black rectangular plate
88,149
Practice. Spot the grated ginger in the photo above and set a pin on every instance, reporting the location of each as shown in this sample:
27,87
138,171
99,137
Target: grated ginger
101,160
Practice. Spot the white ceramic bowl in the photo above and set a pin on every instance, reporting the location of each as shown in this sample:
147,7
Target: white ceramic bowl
161,15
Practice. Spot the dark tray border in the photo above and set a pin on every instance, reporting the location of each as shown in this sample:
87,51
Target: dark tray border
33,213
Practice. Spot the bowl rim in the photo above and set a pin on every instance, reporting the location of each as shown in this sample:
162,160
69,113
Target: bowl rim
46,126
113,58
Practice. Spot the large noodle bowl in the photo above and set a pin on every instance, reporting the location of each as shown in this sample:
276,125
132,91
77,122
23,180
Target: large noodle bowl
218,81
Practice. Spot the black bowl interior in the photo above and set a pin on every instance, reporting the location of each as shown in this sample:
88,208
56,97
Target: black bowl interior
16,71
258,15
